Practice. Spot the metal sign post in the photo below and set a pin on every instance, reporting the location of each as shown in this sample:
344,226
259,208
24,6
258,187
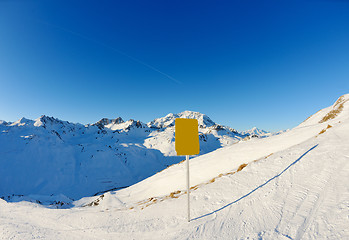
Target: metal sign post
187,143
188,186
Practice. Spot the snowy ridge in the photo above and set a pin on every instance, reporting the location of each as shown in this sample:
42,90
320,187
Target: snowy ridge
329,113
108,122
256,132
169,120
22,122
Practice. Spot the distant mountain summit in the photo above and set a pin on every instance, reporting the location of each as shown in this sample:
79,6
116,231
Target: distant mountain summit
22,122
105,121
169,120
256,132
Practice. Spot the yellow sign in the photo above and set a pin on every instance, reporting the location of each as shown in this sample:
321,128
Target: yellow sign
187,137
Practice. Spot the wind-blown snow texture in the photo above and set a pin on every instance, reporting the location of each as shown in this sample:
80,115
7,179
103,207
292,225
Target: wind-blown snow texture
295,186
77,160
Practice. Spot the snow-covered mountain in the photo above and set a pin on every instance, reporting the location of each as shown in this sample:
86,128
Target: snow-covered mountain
260,133
169,120
256,132
212,136
81,160
293,185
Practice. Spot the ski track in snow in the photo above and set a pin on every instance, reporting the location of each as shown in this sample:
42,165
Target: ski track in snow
299,205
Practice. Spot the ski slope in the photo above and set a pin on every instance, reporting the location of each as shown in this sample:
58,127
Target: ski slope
295,186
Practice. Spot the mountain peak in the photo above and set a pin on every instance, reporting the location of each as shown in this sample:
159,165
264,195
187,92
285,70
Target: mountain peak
169,119
106,121
22,121
3,122
134,124
43,120
256,132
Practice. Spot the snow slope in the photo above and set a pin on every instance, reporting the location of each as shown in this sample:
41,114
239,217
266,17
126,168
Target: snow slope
208,166
294,187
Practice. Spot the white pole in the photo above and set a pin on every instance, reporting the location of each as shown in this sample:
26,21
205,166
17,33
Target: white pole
187,158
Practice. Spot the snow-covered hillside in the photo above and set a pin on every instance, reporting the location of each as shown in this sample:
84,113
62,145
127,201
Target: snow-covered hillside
227,159
78,160
288,186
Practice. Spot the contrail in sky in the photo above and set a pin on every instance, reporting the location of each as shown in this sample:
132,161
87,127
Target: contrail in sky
113,49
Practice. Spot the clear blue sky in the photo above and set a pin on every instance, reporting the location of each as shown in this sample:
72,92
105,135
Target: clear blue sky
244,63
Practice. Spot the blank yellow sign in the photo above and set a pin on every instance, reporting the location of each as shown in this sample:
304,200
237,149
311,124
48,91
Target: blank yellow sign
186,136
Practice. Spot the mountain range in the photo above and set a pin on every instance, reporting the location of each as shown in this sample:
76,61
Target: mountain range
82,160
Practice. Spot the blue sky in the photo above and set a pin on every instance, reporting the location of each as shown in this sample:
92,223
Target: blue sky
268,64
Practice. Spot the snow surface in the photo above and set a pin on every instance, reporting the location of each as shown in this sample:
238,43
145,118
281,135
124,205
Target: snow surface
295,186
